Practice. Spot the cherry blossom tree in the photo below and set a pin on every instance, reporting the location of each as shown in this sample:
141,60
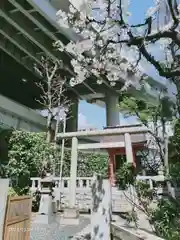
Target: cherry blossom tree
110,49
99,54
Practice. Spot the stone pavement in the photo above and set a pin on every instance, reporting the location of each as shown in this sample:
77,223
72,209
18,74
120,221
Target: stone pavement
55,231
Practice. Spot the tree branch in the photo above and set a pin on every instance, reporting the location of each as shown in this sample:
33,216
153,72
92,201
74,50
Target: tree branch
171,8
164,72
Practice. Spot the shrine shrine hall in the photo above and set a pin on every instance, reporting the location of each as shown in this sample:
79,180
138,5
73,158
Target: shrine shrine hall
117,155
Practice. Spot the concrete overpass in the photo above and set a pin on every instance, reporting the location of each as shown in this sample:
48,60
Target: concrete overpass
16,116
28,29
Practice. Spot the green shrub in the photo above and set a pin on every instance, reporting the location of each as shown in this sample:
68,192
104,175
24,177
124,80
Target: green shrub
28,151
12,192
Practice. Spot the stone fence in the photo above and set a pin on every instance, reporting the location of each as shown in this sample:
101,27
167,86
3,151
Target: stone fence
83,194
81,182
121,200
85,182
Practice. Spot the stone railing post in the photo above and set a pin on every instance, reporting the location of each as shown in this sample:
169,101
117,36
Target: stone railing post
101,209
33,183
39,183
87,183
80,183
150,183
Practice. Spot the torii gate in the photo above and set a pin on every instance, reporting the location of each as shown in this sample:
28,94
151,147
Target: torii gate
125,140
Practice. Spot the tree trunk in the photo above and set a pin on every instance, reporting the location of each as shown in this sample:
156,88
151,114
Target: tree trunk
176,82
50,134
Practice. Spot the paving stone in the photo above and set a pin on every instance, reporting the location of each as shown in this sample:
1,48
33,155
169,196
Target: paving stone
55,231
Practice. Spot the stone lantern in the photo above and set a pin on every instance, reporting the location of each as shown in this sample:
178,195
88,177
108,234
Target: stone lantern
45,214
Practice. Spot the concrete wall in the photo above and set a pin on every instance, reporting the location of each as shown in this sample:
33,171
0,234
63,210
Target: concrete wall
126,233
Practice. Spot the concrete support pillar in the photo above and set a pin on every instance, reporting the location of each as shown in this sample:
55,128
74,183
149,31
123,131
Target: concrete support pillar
73,173
128,148
101,213
72,117
112,111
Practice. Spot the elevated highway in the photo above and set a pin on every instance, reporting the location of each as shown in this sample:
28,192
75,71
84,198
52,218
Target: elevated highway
28,30
16,116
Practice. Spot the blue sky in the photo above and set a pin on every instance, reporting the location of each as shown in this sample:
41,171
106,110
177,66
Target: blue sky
138,9
92,115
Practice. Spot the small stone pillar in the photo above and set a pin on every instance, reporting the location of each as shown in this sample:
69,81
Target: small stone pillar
101,212
45,214
57,196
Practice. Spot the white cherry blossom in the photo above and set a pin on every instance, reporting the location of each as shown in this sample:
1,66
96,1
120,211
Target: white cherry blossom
100,53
